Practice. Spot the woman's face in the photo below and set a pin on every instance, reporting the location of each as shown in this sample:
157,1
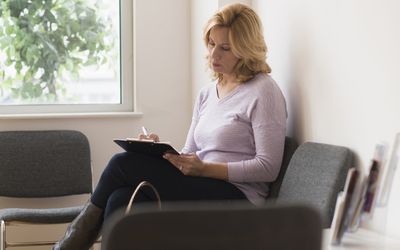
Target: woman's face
222,60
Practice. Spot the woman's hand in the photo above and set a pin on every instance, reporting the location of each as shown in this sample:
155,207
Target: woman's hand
188,164
151,136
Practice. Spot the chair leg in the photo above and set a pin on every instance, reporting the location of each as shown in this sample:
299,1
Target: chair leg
3,235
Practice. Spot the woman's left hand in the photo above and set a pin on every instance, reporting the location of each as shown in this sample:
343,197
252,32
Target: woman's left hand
188,164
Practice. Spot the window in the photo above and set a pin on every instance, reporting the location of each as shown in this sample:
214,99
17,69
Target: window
66,56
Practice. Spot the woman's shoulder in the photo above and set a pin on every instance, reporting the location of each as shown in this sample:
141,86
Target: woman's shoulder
207,89
205,92
262,83
266,89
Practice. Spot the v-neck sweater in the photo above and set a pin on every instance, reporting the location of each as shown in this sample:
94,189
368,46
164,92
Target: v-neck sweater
245,129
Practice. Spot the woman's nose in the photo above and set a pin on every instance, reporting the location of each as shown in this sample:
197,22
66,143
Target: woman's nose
215,53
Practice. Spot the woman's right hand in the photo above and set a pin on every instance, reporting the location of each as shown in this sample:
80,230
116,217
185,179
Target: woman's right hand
151,136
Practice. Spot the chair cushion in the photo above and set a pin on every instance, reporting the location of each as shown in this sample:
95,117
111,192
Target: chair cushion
50,216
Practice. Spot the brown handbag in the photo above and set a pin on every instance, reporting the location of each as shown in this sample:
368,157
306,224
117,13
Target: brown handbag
137,189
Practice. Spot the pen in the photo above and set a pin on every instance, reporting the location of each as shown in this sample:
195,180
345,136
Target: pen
145,131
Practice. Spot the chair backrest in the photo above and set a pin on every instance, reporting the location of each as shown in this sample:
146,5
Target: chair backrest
290,147
209,227
44,163
315,175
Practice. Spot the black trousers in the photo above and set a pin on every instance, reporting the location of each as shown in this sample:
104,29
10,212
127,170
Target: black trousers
126,170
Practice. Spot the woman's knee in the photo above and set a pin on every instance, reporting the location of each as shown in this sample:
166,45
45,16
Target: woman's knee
118,162
118,158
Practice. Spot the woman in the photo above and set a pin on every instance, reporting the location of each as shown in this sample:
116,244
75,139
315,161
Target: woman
235,143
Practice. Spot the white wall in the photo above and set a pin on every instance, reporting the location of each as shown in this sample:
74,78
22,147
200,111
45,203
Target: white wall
337,62
222,3
163,92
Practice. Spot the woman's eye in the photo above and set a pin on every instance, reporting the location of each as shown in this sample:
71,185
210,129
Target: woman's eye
226,48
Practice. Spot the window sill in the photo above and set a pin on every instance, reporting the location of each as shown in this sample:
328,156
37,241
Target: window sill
71,115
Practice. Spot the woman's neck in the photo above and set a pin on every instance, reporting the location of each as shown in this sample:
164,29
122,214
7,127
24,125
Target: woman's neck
228,80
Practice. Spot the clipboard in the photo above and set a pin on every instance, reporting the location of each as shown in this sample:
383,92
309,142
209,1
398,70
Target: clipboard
146,147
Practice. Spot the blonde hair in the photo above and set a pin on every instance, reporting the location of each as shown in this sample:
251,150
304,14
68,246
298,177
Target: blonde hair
245,37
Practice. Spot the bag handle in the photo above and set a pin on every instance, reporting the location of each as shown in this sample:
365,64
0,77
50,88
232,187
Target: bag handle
141,185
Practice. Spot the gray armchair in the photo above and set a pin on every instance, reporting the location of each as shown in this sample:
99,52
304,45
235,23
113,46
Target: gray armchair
38,164
314,177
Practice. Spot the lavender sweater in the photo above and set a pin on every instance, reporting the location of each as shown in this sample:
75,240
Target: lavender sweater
245,129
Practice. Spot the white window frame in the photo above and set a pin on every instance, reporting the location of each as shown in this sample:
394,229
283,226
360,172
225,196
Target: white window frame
127,105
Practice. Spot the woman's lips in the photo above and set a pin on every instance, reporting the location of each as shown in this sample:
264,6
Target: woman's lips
216,65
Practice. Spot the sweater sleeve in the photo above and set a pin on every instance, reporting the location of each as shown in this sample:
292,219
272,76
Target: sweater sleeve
268,121
190,144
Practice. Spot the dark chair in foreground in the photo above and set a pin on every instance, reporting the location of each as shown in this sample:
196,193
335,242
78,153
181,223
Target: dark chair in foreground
215,226
38,164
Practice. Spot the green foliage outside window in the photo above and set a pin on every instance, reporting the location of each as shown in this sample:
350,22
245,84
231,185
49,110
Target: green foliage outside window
42,39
